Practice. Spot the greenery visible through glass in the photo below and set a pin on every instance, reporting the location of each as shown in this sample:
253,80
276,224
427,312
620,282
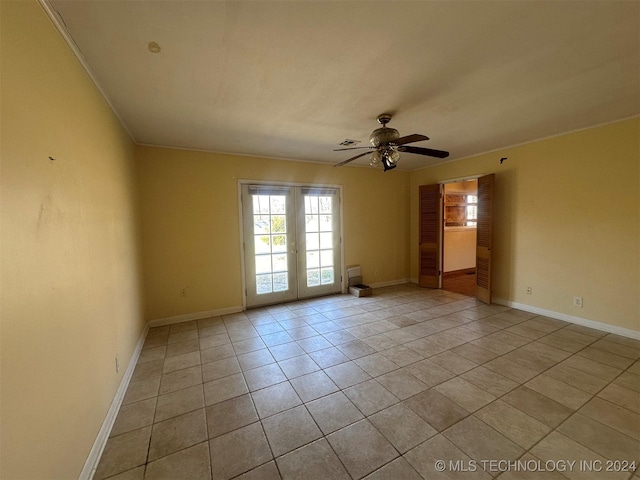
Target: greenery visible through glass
318,211
270,241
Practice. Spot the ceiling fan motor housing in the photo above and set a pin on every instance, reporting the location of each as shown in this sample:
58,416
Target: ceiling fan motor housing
383,136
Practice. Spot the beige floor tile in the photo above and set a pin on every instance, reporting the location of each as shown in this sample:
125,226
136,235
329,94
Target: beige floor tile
423,459
277,338
514,371
264,376
531,360
547,351
538,406
183,327
530,470
275,399
398,469
436,409
621,396
230,415
562,343
362,448
333,412
151,354
146,370
629,380
182,336
591,367
425,347
606,358
316,461
402,427
239,451
255,359
177,433
428,372
401,355
402,384
133,474
612,415
328,357
616,348
381,341
635,368
286,350
179,402
134,416
465,394
220,368
513,423
289,430
370,397
558,447
301,332
182,347
453,362
189,464
216,353
214,341
178,362
474,353
187,377
124,452
356,349
577,378
482,442
298,366
376,364
347,374
249,345
313,385
268,471
224,388
559,391
141,390
313,344
493,345
606,441
490,381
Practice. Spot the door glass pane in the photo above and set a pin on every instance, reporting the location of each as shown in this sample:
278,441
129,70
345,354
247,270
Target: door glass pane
326,275
270,241
262,244
319,246
313,277
279,243
280,283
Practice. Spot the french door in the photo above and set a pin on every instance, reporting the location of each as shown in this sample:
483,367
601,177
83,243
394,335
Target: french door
291,242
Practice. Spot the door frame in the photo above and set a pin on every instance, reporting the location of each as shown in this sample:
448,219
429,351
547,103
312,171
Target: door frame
441,228
244,181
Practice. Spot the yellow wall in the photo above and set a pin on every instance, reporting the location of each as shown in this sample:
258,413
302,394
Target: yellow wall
567,221
191,232
70,288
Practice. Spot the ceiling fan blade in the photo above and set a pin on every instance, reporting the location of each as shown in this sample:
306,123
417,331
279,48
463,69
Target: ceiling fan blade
350,148
351,159
416,137
424,151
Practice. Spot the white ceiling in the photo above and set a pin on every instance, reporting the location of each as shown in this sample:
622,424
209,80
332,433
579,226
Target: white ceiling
292,79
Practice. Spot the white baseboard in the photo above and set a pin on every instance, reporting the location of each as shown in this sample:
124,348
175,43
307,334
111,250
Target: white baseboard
187,317
91,464
604,327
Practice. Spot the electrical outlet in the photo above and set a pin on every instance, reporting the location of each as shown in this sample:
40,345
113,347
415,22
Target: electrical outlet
577,302
117,363
529,290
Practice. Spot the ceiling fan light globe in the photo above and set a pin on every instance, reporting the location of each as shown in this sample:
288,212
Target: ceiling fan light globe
376,157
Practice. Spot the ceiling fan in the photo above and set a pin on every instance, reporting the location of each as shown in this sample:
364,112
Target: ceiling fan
387,144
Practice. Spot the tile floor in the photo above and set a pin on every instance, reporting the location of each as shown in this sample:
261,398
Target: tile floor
379,388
